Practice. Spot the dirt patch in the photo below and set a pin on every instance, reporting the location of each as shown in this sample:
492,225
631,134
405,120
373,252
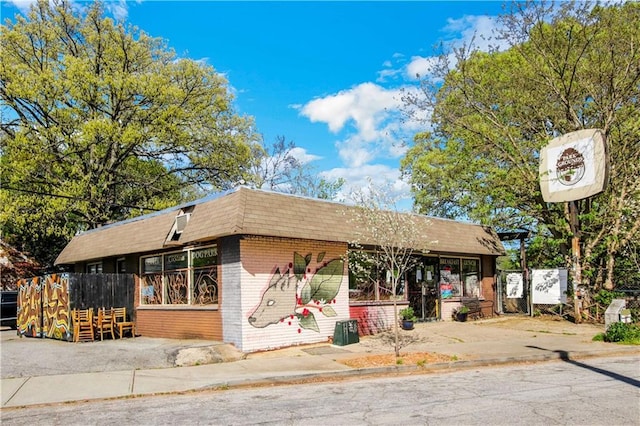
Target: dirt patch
385,360
546,324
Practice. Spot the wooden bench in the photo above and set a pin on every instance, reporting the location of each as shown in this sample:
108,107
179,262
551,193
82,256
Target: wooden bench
473,303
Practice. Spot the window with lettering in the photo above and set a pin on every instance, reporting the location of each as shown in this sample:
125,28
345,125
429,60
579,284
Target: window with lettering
450,285
151,282
186,277
205,276
459,277
176,272
471,277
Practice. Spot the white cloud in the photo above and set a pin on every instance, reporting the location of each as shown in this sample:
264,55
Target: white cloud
369,114
365,104
367,117
357,179
119,9
476,31
420,66
303,156
479,29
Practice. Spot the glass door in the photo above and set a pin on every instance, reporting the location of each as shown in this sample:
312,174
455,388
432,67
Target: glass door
423,289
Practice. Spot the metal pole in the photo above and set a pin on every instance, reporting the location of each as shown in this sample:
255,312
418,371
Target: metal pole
575,249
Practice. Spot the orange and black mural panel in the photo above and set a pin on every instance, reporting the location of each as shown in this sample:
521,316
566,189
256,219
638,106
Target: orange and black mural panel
56,316
43,307
29,310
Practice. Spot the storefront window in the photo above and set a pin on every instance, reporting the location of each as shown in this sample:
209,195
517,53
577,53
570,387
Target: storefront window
151,283
205,276
459,278
471,277
180,278
450,278
94,268
175,276
369,280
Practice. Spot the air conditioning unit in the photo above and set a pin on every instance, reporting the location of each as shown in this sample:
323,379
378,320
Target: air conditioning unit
181,222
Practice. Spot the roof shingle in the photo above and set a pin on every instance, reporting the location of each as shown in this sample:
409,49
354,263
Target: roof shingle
247,211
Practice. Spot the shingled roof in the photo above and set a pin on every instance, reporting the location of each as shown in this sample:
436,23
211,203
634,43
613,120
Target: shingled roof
246,211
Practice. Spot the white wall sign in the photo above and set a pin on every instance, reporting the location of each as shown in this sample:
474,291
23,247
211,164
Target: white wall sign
573,166
514,285
549,286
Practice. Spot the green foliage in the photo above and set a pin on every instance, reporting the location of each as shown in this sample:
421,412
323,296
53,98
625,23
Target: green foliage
564,69
102,122
604,297
509,262
462,310
408,314
620,332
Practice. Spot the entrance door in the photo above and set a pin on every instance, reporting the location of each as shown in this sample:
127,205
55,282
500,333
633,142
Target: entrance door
423,289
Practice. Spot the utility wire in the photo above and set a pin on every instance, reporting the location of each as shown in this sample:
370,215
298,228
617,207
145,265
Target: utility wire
68,197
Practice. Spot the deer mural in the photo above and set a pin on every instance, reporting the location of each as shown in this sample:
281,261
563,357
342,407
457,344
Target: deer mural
317,292
278,301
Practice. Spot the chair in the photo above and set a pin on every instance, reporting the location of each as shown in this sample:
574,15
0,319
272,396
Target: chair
105,322
82,325
121,323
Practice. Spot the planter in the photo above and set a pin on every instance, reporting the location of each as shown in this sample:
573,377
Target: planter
407,325
461,316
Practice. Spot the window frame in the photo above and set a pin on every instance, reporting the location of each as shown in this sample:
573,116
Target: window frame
456,285
162,278
378,280
97,265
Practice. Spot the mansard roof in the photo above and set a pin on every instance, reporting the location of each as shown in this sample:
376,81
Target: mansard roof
246,211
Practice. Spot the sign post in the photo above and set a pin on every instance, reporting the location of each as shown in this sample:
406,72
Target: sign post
574,167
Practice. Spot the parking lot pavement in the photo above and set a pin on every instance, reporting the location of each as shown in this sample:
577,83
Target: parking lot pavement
27,356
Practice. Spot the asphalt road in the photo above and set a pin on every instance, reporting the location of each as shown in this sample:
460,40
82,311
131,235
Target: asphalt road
598,391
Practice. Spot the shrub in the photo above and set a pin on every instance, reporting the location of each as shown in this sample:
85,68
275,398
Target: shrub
408,314
623,333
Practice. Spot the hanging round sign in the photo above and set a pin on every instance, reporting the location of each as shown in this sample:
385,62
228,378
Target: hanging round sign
574,166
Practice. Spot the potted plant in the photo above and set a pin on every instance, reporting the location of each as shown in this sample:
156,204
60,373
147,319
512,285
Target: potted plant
461,313
408,318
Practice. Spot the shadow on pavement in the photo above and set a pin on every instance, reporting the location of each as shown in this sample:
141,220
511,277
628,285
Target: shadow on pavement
564,355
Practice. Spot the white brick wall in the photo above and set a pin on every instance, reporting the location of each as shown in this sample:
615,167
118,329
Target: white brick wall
261,257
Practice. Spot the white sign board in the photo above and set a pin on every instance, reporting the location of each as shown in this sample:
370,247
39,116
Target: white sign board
514,285
549,286
573,166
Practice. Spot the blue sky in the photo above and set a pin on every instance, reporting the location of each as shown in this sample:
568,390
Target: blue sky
326,75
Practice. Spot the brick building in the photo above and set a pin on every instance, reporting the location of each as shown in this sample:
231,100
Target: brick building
264,270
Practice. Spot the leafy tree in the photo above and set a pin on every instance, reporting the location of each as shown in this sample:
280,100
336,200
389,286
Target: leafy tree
397,237
278,169
101,122
566,67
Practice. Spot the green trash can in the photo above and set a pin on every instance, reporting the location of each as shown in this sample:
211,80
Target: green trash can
346,332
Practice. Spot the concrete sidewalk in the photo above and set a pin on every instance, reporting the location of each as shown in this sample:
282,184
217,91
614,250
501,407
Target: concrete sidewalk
464,345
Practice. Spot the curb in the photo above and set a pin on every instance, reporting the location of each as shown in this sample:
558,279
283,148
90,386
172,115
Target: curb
413,369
